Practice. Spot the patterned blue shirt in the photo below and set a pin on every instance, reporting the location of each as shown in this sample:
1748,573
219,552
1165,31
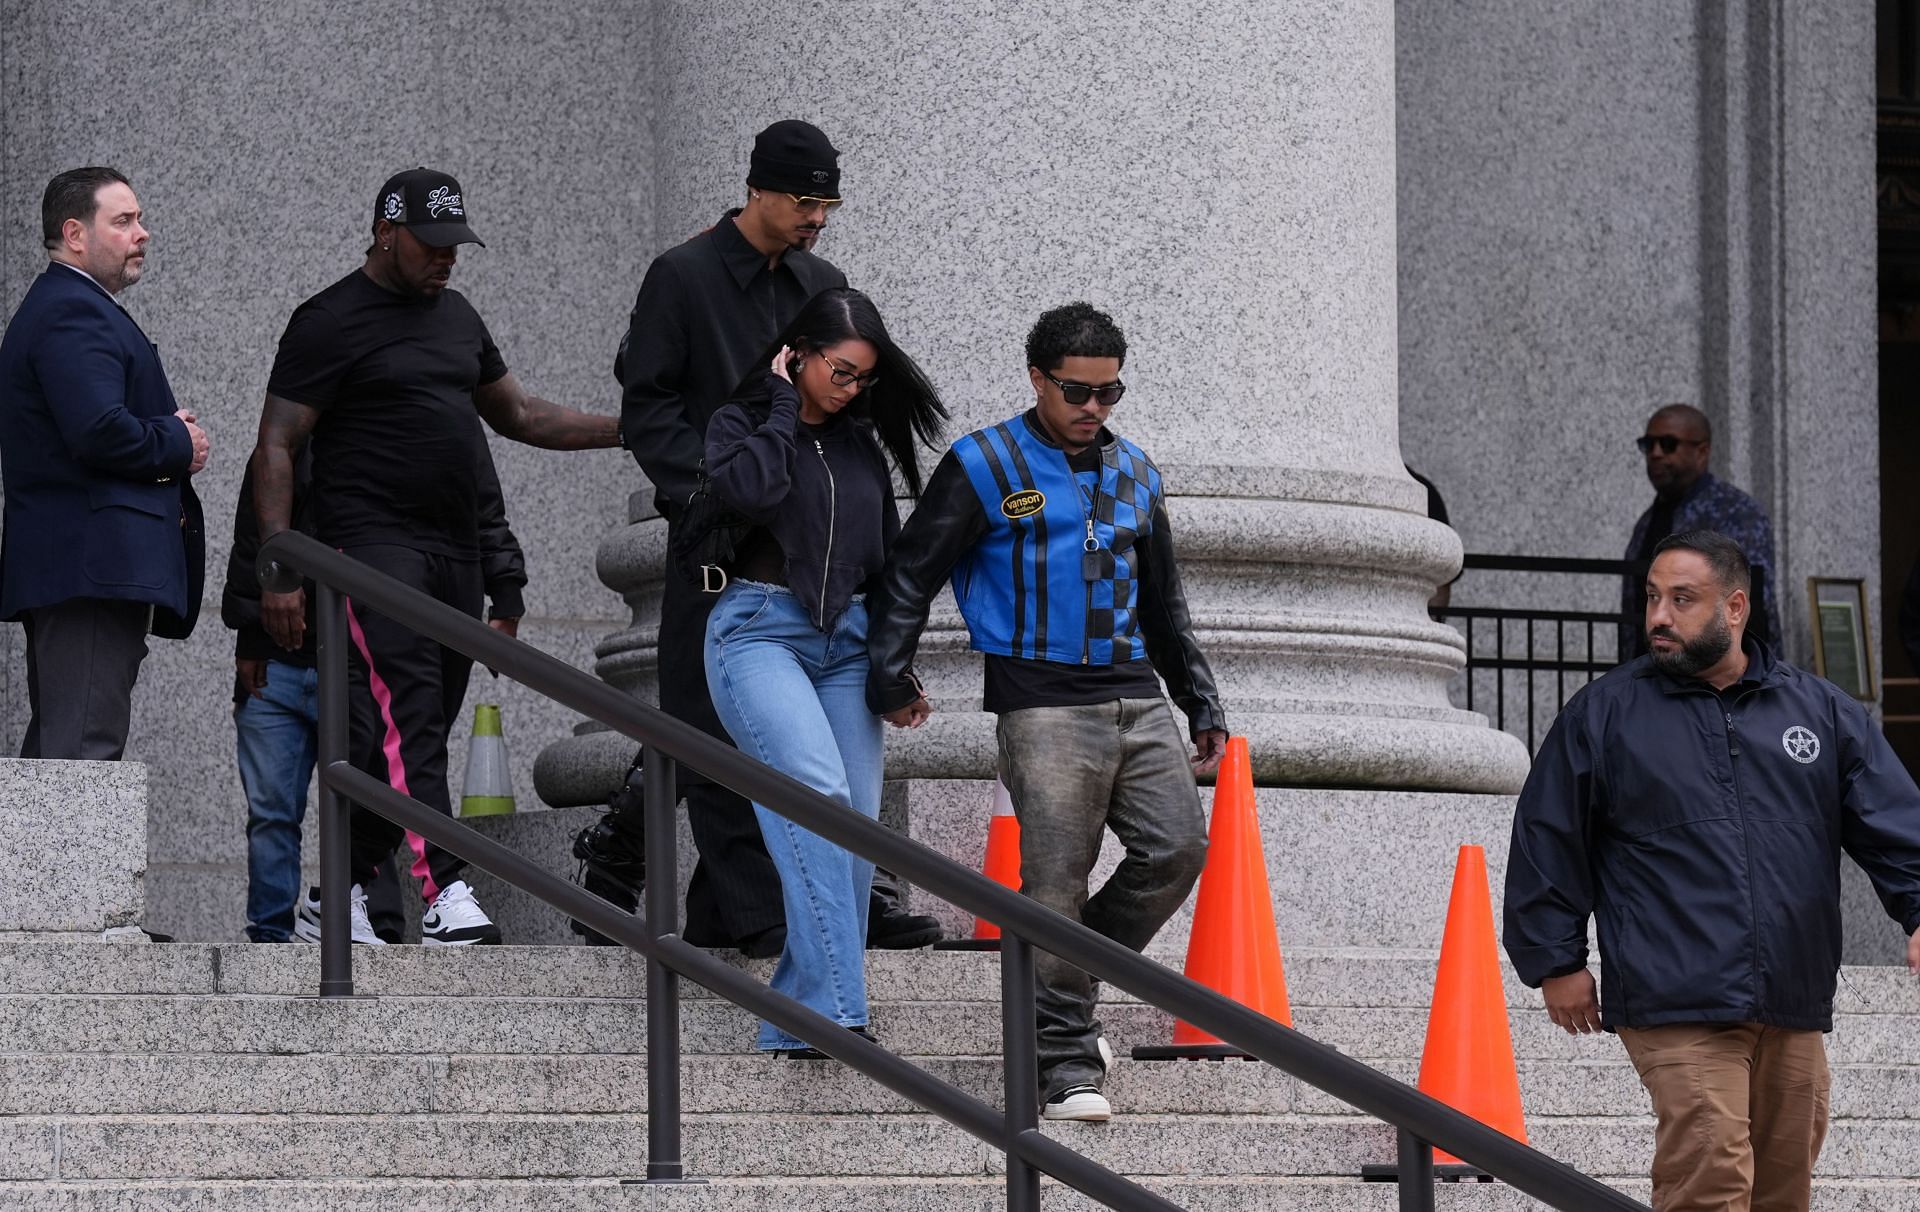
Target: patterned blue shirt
1711,504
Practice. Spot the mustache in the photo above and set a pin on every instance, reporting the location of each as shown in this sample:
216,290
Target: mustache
1664,633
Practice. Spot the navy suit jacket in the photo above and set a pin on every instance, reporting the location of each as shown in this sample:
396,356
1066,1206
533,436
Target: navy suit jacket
94,462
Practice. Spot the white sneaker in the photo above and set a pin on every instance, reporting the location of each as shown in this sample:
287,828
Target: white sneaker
306,918
1084,1103
456,920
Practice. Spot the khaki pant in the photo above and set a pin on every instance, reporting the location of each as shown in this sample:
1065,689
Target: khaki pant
1742,1111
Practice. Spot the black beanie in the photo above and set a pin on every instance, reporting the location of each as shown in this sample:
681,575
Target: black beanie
794,157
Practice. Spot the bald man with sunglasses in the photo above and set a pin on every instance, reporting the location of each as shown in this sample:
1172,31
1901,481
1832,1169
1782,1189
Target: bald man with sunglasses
1678,447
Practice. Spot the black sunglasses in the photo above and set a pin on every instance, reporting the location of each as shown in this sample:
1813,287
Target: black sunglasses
1076,394
1665,441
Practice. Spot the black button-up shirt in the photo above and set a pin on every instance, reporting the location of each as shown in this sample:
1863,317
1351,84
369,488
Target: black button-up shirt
708,310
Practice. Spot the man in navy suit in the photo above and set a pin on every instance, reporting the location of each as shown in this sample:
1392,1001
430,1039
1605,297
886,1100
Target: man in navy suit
103,540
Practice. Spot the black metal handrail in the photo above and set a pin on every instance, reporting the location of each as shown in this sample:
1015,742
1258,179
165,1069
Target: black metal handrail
1421,1121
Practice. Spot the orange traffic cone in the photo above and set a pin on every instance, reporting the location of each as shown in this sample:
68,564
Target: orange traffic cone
1002,866
1468,1061
1234,948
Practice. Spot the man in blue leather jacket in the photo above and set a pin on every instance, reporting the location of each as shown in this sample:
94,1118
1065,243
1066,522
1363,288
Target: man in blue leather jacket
1055,535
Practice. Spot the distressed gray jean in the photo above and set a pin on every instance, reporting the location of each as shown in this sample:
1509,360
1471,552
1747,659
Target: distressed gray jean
1073,772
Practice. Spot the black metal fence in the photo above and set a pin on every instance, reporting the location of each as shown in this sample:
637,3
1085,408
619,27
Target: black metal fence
1524,662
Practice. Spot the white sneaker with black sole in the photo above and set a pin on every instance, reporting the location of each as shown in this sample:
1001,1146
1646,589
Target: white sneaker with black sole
456,920
306,918
1084,1103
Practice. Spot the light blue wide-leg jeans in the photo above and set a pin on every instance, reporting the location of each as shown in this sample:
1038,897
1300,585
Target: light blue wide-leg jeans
795,698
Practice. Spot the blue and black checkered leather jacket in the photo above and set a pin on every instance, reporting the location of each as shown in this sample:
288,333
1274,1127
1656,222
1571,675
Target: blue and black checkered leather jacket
1045,565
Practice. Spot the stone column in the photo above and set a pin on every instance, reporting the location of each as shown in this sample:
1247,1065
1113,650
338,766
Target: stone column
1220,178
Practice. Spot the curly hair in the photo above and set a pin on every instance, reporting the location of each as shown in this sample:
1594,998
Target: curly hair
1078,330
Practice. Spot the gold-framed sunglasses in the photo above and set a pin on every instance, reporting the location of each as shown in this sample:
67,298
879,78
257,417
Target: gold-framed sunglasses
807,202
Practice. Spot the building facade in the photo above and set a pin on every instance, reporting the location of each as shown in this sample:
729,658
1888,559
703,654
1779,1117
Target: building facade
1485,239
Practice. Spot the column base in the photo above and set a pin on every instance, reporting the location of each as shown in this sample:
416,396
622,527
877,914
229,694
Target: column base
1289,750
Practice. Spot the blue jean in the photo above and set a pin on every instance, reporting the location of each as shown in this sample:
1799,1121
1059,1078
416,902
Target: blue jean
795,698
277,737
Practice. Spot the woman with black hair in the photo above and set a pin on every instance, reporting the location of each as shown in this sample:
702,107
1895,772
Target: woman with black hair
803,452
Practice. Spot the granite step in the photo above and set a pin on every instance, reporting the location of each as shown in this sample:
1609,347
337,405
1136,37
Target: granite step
228,1023
120,1148
1341,976
968,1194
105,1084
971,1194
89,1084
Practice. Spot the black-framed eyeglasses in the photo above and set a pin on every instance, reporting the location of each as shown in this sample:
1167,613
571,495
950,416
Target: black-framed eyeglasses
842,378
1106,395
807,202
1665,441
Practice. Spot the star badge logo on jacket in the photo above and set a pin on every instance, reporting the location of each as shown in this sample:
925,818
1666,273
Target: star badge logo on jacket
1801,745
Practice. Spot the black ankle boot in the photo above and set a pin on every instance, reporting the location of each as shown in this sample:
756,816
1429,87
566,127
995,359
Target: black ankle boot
613,867
891,929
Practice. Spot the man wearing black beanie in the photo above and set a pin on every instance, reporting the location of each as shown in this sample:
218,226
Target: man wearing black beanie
793,186
707,311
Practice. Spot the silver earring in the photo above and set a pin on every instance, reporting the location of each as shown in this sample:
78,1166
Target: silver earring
386,248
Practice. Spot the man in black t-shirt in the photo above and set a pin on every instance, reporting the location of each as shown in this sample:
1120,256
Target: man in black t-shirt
390,372
276,718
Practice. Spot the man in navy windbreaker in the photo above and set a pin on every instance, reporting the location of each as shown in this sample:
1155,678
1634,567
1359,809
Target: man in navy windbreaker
1696,801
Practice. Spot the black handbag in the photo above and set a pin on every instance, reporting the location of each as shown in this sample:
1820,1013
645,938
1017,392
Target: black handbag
704,539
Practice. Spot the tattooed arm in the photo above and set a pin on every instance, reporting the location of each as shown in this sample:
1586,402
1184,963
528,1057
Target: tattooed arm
284,428
511,412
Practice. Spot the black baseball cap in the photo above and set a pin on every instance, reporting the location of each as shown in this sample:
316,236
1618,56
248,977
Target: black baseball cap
429,204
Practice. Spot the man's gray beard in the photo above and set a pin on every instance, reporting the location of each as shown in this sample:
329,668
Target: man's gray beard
1704,651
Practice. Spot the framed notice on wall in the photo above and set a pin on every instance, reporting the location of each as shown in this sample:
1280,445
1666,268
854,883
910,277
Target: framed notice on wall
1842,651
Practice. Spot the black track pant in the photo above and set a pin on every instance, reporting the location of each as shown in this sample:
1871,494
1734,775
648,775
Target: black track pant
406,695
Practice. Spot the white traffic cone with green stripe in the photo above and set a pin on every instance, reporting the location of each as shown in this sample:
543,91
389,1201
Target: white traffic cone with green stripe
489,788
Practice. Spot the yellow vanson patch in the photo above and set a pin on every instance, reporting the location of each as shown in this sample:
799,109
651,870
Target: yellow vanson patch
1023,504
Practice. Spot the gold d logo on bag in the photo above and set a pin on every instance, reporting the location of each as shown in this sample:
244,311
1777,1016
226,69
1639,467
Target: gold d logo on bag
1023,504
